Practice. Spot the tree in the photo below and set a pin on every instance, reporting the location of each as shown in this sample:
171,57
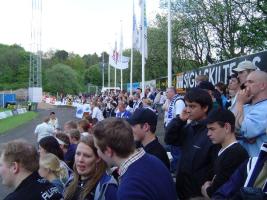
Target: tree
63,79
91,59
61,55
93,75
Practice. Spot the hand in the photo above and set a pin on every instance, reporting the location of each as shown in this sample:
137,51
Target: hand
243,97
184,116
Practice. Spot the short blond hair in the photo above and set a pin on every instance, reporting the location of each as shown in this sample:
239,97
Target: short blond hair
52,163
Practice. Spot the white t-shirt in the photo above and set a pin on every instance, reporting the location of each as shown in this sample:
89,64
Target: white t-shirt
54,123
97,113
43,130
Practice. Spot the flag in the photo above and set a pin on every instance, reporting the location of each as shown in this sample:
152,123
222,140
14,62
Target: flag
121,63
136,43
115,54
118,61
143,27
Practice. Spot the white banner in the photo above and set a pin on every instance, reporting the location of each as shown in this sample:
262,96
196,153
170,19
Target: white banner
120,63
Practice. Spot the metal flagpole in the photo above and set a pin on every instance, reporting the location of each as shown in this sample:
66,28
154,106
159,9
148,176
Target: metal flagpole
103,67
121,79
143,48
109,76
115,77
121,47
169,46
131,70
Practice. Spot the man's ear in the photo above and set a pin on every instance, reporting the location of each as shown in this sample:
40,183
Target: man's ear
206,108
146,126
15,167
227,126
109,152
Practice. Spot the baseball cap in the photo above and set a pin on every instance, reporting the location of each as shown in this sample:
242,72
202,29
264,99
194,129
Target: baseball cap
206,85
221,115
245,65
143,115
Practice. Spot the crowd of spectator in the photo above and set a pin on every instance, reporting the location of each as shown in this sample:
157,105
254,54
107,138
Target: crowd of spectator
215,146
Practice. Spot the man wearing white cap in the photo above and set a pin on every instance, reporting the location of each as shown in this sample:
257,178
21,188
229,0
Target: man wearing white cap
243,69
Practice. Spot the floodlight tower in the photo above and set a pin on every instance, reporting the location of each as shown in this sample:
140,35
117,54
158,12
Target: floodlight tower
35,71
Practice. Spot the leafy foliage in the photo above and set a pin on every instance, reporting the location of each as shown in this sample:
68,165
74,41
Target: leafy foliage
203,32
63,79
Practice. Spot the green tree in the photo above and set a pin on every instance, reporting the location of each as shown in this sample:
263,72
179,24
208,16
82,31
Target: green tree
93,75
61,55
91,59
63,79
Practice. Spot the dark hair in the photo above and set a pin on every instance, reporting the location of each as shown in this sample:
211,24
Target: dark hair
115,133
22,152
52,113
139,89
51,145
222,117
153,127
222,87
199,96
84,124
65,138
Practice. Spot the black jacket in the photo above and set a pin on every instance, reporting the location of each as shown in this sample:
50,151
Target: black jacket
198,156
34,187
156,149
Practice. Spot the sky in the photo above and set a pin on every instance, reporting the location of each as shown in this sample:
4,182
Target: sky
78,26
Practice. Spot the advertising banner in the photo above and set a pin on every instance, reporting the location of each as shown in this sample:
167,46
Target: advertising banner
219,72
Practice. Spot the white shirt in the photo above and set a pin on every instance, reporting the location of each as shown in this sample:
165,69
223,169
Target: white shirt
54,123
97,113
43,130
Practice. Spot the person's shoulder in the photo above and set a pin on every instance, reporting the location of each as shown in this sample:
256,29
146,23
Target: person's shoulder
237,148
38,188
145,163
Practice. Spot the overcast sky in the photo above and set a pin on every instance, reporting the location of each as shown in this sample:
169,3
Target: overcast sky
79,26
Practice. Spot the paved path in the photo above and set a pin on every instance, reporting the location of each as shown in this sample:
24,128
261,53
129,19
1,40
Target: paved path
26,131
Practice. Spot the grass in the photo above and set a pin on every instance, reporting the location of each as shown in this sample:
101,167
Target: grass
2,109
15,121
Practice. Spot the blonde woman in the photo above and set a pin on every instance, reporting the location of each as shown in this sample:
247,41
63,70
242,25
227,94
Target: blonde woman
49,168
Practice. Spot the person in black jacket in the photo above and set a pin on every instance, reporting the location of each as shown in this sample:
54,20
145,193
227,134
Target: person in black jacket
144,123
221,126
198,152
19,163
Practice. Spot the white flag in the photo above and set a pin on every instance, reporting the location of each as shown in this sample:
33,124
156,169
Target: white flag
143,27
121,63
118,61
136,43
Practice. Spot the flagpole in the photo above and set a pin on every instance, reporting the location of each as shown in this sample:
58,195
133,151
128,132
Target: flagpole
131,69
115,77
131,73
169,46
121,80
121,47
143,48
103,67
109,76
